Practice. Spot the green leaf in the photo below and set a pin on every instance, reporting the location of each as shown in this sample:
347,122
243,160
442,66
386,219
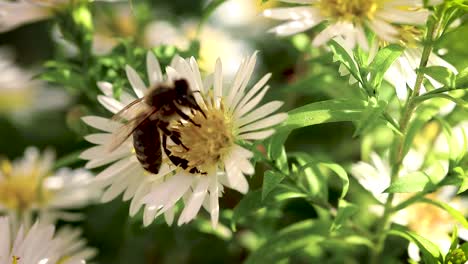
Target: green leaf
310,177
413,182
271,179
249,204
340,54
290,241
336,110
370,116
382,61
430,252
462,78
441,74
341,173
455,239
457,215
345,211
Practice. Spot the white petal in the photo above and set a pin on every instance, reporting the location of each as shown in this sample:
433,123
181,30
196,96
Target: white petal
106,88
169,216
214,203
257,87
257,135
138,85
245,108
154,70
114,169
98,138
291,13
101,123
218,83
245,80
195,201
413,252
110,103
115,155
264,123
235,177
6,240
260,112
295,26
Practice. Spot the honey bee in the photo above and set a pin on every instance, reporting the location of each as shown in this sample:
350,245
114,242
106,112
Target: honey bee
162,104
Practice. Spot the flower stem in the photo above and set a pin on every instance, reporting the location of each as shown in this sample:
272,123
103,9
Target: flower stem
399,142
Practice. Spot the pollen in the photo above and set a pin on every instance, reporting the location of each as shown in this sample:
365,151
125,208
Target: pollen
208,139
20,191
349,10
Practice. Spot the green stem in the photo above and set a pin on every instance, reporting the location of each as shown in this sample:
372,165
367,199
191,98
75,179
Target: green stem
398,144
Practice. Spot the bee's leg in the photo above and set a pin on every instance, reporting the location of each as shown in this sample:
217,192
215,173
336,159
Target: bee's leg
194,105
195,170
175,136
180,162
183,163
186,117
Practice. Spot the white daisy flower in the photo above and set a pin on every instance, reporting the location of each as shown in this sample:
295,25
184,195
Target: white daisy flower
29,184
218,43
427,220
213,143
39,245
16,13
348,19
20,93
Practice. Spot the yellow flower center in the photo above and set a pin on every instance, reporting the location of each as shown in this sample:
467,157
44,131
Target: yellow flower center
208,141
20,192
409,35
349,10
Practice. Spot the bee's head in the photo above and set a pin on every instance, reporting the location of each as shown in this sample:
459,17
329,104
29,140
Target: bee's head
185,95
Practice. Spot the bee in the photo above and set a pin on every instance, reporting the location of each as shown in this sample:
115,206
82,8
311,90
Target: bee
161,104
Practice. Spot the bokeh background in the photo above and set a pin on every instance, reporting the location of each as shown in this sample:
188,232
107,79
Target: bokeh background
47,114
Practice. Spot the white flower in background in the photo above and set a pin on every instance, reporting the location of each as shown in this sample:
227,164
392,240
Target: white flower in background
16,13
164,33
427,220
402,73
20,93
240,13
230,117
39,245
214,43
29,184
433,222
218,43
348,19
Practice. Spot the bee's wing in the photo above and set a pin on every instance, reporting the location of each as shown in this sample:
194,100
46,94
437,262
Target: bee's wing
126,130
124,113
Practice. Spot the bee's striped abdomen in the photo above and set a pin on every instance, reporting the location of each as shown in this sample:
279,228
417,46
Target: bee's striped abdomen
147,144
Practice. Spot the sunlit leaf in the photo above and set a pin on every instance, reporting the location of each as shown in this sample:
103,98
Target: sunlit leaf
289,241
413,182
271,179
430,252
